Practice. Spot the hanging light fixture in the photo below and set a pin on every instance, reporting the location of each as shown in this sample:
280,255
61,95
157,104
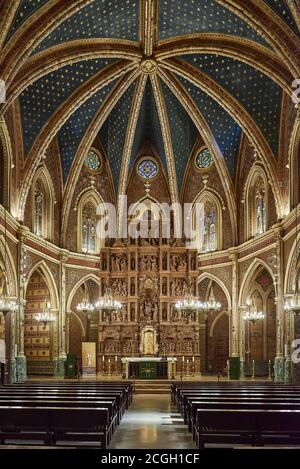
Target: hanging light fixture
189,305
292,302
211,304
107,304
252,314
45,317
8,304
85,306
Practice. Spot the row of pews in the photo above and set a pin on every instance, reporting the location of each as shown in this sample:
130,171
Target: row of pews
62,413
236,413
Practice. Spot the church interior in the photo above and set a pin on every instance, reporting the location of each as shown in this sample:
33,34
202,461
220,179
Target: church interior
150,218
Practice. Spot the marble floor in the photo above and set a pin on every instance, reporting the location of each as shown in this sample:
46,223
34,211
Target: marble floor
152,423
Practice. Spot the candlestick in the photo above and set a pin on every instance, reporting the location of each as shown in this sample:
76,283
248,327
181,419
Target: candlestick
253,369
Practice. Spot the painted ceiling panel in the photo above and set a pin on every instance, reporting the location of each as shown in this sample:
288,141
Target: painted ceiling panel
100,19
226,131
26,9
179,17
254,90
40,100
148,127
183,133
281,8
113,133
72,132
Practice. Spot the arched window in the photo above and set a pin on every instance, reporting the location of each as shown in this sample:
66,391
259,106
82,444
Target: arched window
88,228
207,222
256,213
208,235
43,204
91,222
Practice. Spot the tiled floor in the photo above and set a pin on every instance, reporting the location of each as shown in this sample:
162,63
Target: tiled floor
151,423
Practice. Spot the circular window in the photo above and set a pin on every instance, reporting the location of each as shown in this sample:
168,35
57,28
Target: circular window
204,159
147,169
93,161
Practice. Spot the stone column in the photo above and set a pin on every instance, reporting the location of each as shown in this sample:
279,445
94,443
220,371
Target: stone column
21,368
279,359
235,316
62,329
288,362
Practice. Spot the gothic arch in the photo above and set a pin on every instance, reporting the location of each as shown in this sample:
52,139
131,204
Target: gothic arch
80,282
6,164
256,264
291,267
42,177
215,279
294,164
256,173
92,197
207,196
10,267
216,320
53,291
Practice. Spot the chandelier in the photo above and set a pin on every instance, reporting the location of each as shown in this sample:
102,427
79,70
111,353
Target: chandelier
189,305
45,317
107,304
8,305
211,304
85,306
252,315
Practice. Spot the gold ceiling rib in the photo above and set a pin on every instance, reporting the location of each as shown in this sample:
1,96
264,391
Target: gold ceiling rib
7,12
239,114
209,140
166,135
294,6
149,15
74,51
130,133
263,19
62,114
32,32
87,141
244,50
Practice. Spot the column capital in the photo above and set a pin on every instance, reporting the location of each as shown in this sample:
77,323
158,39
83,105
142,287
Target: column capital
64,255
23,233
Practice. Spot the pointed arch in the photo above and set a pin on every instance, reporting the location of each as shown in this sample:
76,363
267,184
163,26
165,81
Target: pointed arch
256,265
256,200
12,282
291,267
294,164
90,221
6,164
216,320
42,203
49,279
206,220
80,282
219,282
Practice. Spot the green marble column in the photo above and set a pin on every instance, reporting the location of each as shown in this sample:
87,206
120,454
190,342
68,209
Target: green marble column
21,369
59,366
279,369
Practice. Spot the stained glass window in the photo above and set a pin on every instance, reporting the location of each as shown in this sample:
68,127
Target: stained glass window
93,161
88,239
204,159
147,169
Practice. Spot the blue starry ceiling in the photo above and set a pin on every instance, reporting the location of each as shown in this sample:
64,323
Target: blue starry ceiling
40,100
254,90
99,19
113,133
226,131
25,9
180,17
280,7
148,127
72,132
183,133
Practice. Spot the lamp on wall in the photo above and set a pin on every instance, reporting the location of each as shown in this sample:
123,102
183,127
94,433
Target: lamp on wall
8,304
292,302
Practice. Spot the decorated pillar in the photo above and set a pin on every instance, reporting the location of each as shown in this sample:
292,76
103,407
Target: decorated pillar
234,360
279,359
287,349
21,368
62,329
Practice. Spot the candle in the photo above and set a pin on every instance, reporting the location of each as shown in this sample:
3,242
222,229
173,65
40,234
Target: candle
103,358
193,359
116,358
109,360
183,359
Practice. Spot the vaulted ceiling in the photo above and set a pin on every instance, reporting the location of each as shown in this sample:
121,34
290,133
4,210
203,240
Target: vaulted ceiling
166,71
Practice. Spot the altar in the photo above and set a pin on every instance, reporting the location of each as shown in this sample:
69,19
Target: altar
150,367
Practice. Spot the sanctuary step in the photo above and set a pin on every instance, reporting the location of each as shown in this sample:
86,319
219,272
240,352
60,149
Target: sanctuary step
151,386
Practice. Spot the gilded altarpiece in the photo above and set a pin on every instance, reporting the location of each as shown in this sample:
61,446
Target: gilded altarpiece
148,280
